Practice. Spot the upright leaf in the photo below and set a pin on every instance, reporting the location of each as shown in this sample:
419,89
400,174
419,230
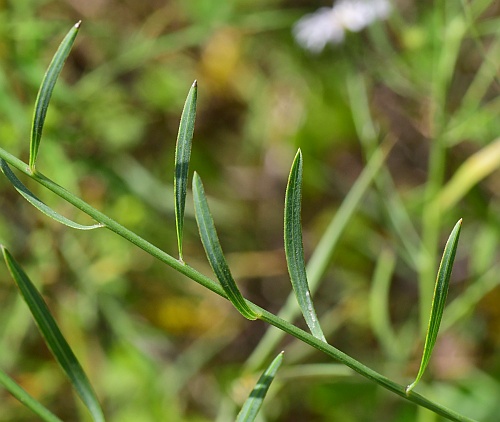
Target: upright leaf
37,203
438,301
45,92
294,249
54,338
254,402
182,157
214,252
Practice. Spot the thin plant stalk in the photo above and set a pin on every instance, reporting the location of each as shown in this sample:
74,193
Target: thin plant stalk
199,278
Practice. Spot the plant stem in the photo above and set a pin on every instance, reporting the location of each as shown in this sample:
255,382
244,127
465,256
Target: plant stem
216,288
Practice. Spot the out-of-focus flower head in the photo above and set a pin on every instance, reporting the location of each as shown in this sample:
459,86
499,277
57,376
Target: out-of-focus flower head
328,24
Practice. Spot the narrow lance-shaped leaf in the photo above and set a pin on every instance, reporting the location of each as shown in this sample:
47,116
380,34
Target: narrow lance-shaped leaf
294,249
45,92
54,338
182,157
37,203
214,252
19,393
252,405
438,301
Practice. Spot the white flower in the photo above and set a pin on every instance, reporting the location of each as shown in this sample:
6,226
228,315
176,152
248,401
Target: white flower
328,25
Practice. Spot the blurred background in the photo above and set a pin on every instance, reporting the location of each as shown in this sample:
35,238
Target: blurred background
156,346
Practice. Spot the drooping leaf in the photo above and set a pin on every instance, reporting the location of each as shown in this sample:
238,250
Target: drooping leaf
20,394
54,338
182,157
438,301
37,203
254,402
45,92
294,249
214,252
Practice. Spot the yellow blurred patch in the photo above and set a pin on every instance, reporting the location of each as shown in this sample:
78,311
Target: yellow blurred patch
221,59
187,316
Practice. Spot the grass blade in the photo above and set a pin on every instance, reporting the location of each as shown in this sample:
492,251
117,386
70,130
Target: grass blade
19,393
182,157
54,338
37,203
294,250
214,252
45,92
254,402
438,301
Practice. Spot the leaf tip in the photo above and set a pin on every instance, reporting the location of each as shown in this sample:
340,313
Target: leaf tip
409,389
195,84
78,24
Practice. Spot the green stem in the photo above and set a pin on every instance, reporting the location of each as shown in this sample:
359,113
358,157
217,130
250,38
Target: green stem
358,366
216,288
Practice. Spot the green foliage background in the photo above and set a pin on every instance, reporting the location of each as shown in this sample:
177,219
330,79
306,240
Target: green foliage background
156,346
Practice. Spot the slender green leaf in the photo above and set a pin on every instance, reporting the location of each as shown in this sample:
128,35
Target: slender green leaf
254,402
182,157
19,393
294,250
438,301
214,252
54,338
45,92
37,203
